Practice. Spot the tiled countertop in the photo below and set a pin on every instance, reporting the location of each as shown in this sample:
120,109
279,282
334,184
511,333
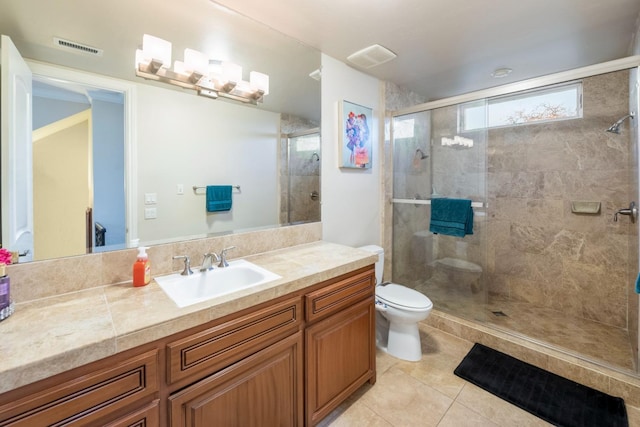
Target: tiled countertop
49,336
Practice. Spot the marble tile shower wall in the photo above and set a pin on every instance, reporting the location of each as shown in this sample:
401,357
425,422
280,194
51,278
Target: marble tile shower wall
528,242
538,250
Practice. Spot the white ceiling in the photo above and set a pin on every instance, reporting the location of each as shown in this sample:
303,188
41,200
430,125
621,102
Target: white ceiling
449,47
444,47
117,28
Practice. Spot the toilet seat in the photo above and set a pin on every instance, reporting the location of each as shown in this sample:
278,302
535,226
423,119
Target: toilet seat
403,298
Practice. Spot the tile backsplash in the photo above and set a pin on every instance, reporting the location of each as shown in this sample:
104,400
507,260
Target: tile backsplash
42,279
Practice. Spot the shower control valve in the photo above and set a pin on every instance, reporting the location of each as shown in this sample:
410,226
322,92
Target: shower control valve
632,211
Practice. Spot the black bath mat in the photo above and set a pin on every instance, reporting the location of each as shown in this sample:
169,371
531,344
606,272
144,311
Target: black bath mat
551,397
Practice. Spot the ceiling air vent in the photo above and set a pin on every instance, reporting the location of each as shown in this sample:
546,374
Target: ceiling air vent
371,56
76,47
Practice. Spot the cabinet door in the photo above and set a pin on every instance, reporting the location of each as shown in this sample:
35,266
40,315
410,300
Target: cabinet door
340,358
264,389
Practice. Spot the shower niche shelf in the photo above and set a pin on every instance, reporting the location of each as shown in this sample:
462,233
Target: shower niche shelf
585,207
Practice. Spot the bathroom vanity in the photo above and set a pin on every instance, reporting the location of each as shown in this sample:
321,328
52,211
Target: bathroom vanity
285,354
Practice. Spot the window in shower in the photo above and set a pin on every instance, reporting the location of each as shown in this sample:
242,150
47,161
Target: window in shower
559,102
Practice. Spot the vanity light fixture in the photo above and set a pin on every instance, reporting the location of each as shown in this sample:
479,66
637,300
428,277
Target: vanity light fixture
207,77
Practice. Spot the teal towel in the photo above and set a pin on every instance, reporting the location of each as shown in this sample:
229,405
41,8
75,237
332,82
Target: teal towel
218,198
453,217
638,284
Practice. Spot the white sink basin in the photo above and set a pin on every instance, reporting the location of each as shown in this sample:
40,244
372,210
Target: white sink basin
198,287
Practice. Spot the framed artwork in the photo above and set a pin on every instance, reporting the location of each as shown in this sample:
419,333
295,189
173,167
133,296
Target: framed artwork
355,136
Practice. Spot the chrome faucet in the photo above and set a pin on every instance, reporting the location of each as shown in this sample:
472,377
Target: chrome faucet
223,257
187,264
207,261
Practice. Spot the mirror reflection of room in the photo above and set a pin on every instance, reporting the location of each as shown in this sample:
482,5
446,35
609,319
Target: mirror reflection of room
134,171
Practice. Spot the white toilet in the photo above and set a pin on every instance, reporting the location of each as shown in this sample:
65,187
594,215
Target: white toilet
399,309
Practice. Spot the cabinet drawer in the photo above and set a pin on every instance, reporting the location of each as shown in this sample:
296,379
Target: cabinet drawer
339,295
224,344
149,416
86,399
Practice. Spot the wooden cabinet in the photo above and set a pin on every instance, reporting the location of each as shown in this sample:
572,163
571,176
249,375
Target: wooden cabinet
340,348
86,398
285,362
264,389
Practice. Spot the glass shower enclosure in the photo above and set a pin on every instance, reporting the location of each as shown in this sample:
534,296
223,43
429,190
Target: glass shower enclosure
300,183
549,259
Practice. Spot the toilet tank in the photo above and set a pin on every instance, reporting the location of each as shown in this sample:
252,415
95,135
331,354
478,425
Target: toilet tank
380,263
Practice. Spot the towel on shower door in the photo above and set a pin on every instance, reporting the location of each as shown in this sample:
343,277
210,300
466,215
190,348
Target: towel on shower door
453,217
218,198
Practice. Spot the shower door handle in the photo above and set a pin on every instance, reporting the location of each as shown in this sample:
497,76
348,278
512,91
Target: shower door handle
632,211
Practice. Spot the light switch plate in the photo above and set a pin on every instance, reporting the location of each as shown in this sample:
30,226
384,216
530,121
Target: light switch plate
150,213
150,198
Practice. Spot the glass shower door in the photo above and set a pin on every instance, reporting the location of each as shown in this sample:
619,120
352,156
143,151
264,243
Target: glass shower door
303,192
432,158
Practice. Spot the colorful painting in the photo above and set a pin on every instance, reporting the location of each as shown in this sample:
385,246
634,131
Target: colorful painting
355,136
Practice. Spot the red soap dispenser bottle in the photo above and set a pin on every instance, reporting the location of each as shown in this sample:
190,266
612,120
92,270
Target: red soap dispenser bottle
142,268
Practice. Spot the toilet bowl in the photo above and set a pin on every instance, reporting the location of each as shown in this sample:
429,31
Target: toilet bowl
398,311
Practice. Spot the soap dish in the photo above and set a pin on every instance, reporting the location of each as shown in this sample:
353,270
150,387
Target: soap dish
7,311
585,207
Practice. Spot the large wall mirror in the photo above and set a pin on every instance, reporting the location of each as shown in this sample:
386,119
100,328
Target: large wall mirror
119,161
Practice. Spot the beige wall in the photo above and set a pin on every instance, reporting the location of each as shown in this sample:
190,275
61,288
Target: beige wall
62,194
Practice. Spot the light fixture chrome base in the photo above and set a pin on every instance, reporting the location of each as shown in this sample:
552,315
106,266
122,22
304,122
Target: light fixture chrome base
201,84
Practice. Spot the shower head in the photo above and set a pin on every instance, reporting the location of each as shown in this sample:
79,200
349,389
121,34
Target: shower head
420,154
615,128
315,156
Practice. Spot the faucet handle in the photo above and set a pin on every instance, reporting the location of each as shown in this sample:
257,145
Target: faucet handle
187,264
223,257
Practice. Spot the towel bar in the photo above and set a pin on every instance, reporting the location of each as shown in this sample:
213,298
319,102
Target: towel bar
428,202
199,187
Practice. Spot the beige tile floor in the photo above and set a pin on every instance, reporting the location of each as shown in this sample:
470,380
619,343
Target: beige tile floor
427,393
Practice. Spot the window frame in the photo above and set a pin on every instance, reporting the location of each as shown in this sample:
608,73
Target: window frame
487,102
